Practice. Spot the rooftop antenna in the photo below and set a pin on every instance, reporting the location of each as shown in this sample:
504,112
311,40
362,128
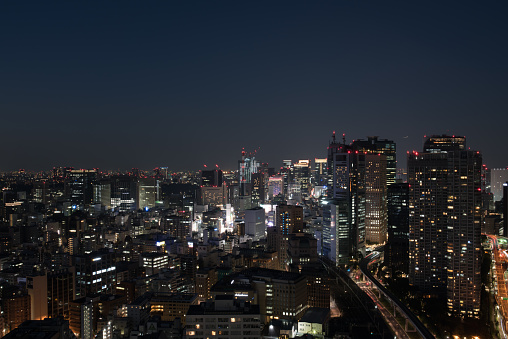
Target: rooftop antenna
333,137
343,138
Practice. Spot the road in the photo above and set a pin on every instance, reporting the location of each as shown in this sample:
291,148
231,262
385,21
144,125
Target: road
397,329
355,305
424,332
500,263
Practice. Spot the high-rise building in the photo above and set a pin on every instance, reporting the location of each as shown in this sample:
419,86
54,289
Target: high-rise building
83,317
320,172
258,189
275,186
102,193
124,193
386,147
148,192
445,222
301,173
289,220
376,218
255,223
397,247
214,196
95,273
246,167
50,293
286,171
338,241
79,186
346,185
498,176
211,178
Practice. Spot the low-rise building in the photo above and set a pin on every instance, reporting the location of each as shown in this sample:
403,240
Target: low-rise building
224,317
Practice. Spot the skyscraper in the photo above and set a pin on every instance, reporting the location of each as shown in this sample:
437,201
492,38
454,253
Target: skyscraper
397,247
211,178
386,147
498,176
79,185
301,173
289,220
338,242
346,185
258,189
320,172
445,222
376,218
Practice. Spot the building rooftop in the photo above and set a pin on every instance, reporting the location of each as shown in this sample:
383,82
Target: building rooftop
316,315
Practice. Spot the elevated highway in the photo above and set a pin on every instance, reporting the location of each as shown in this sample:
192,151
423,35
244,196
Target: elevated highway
402,309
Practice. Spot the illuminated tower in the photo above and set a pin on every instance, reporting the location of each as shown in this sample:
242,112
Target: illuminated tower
376,212
289,220
320,172
301,173
346,187
80,186
386,147
445,222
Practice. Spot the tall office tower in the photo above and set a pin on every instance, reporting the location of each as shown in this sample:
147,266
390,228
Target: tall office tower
148,192
246,167
445,222
380,146
79,186
102,193
123,193
255,223
214,196
211,178
346,183
337,243
376,214
95,273
427,178
258,189
286,171
397,247
289,220
275,186
301,173
320,172
498,176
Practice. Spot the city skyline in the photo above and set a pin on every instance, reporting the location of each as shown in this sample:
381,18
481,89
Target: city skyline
183,85
233,161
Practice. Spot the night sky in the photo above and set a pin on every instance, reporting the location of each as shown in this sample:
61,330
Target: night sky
125,84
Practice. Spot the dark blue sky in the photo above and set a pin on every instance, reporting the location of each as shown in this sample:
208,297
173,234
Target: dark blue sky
143,84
